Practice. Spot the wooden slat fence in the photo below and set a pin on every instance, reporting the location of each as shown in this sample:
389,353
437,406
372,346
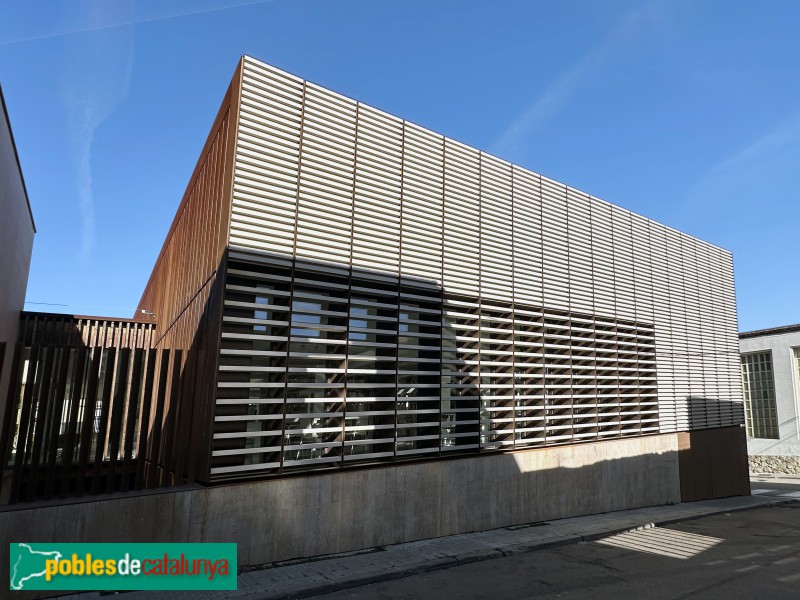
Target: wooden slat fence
92,419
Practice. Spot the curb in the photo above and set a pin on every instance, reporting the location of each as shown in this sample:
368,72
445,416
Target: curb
488,554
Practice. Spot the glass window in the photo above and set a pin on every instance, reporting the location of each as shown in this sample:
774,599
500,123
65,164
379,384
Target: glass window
797,364
758,383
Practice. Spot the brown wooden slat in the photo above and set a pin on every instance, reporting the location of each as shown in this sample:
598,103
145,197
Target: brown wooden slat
78,380
115,429
23,434
142,452
168,418
134,404
12,404
172,422
157,415
183,440
2,357
75,331
42,407
56,419
198,236
105,408
208,345
89,404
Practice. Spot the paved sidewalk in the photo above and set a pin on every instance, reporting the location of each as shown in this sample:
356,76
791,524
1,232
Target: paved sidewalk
775,484
314,577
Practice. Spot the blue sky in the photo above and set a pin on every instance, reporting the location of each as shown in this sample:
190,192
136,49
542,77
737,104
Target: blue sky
687,112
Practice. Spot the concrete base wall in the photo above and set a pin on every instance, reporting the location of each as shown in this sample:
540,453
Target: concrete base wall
343,511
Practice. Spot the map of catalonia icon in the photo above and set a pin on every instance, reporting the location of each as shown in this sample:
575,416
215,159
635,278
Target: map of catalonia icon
29,564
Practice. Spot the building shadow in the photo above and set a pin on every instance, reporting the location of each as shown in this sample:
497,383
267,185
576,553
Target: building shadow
281,366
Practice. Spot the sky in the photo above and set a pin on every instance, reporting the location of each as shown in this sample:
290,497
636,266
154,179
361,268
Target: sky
685,111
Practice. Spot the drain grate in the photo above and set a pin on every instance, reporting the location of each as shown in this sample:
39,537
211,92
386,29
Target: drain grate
527,526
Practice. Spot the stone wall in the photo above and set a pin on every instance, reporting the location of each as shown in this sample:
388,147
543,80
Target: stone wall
789,465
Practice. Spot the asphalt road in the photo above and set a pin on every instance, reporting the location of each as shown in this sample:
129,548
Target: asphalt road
752,554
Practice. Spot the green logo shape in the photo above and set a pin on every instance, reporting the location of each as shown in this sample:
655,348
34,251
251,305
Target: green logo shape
89,567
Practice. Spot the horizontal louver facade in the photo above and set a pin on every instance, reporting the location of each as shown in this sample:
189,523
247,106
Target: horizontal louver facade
393,294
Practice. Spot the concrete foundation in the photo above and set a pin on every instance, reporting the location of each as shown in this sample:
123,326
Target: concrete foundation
343,511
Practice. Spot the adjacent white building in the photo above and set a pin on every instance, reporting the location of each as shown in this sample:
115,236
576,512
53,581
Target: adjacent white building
771,385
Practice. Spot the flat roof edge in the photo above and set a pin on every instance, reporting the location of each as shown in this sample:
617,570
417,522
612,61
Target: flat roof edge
771,331
249,57
16,156
55,315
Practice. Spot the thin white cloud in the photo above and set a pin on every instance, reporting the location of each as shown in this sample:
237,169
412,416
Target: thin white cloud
774,142
754,160
555,96
95,81
118,21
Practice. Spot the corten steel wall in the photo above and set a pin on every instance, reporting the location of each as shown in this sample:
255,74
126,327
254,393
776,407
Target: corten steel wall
713,463
509,256
186,267
16,243
184,293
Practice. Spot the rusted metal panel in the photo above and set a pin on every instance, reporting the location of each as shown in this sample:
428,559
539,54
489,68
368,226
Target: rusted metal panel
713,463
183,296
196,241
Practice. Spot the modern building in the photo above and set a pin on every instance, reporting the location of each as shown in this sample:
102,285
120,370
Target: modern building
16,244
360,332
771,384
